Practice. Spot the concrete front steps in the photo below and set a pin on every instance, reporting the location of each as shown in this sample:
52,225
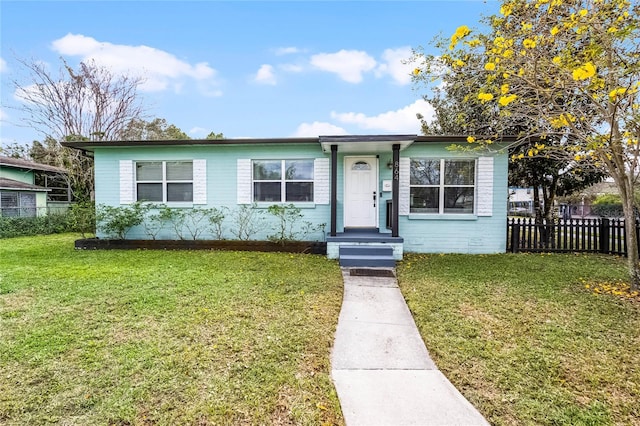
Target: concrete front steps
369,255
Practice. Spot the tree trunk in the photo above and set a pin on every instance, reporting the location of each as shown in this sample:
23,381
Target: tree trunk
632,242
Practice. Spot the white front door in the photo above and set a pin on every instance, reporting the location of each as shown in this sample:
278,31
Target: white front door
361,192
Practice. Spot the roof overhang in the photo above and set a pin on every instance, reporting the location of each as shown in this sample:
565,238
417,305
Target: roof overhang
369,144
90,146
14,185
18,163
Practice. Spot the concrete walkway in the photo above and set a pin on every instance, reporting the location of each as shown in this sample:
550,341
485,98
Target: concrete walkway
380,366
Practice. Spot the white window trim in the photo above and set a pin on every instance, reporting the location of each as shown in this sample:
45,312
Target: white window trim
441,186
484,186
283,182
164,181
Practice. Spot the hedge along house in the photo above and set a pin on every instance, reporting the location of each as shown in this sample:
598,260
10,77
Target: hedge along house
378,195
26,188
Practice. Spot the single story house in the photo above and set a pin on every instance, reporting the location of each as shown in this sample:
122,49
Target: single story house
20,196
393,193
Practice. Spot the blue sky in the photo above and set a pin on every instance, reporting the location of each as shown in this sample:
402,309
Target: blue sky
246,69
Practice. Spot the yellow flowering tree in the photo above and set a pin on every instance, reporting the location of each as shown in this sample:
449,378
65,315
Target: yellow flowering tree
570,70
463,106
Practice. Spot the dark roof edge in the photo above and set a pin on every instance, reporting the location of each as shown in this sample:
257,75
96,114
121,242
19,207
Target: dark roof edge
463,138
29,165
367,138
15,185
89,146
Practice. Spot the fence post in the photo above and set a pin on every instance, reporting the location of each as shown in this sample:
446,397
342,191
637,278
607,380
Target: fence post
604,235
515,236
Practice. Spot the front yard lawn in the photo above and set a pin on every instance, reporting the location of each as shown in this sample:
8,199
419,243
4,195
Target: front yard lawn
165,337
531,338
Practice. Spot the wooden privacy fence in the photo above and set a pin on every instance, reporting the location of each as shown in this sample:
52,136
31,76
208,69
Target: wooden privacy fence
571,235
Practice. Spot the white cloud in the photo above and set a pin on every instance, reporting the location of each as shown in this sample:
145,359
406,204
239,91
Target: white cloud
318,128
291,67
394,66
199,131
3,66
3,115
348,64
399,121
280,51
265,75
159,68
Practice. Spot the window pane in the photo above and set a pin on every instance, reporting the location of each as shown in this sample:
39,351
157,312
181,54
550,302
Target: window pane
458,200
459,172
27,204
267,191
425,172
9,204
149,192
149,170
179,192
267,170
424,200
299,169
299,191
179,170
361,165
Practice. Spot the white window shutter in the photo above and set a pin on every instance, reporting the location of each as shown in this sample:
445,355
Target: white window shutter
485,186
244,181
127,180
321,181
199,181
403,195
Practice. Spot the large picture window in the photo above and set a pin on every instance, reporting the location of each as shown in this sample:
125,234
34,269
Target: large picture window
441,186
283,181
164,181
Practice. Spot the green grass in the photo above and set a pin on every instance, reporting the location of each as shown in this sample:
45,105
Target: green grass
164,337
530,339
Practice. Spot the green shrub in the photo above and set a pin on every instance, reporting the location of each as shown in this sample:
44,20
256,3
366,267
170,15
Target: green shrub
117,221
53,223
82,218
607,205
289,226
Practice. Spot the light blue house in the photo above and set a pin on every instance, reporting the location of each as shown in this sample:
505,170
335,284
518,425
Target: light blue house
379,196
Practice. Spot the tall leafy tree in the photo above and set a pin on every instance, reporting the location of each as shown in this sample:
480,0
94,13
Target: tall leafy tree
156,129
570,68
87,103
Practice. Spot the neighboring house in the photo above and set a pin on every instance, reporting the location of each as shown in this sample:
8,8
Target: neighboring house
410,193
521,201
20,196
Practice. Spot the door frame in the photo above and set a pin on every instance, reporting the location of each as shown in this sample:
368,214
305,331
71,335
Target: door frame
376,178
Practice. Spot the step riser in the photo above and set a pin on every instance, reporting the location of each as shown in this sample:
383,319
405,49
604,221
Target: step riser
368,262
366,250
